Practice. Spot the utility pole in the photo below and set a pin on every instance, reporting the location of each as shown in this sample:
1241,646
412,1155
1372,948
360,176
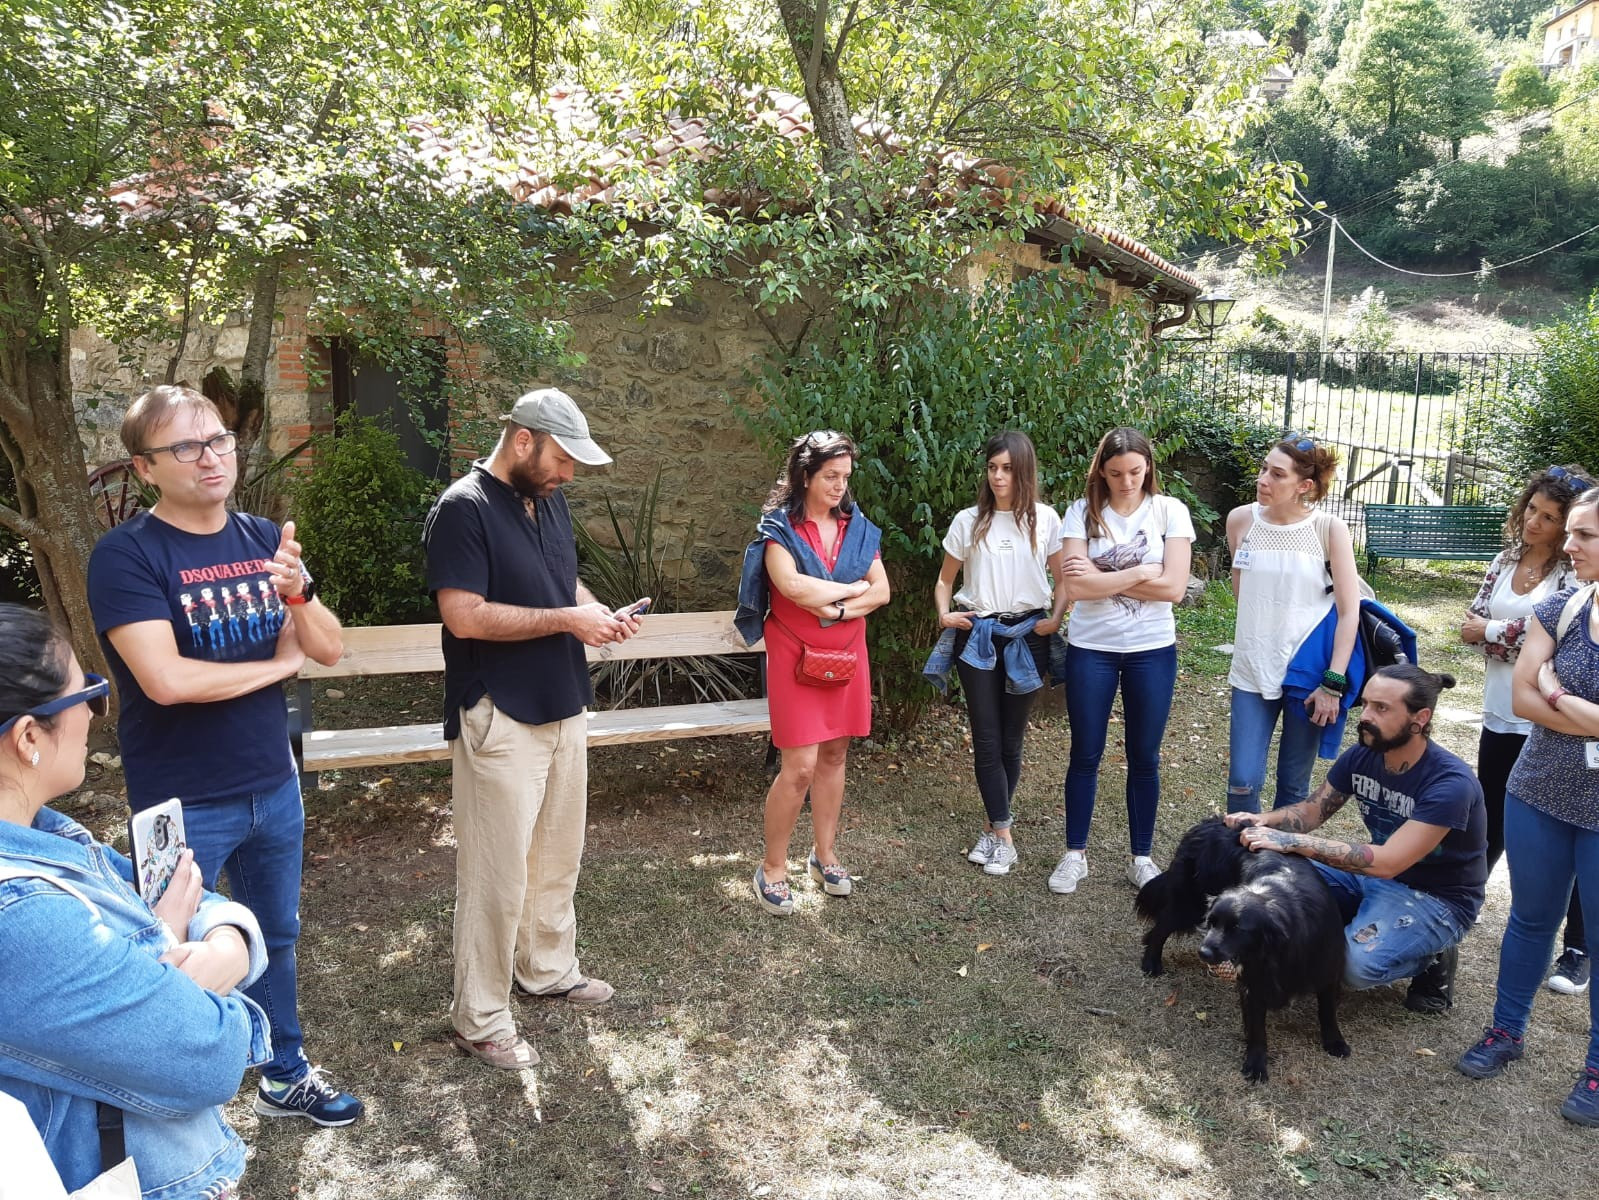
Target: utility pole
1326,291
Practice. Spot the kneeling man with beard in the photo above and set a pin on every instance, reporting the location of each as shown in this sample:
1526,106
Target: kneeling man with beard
1409,895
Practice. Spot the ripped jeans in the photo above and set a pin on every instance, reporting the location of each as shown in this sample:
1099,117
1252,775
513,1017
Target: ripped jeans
1392,931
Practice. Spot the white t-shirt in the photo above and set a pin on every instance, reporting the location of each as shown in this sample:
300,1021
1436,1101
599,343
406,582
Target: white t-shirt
1123,624
1002,573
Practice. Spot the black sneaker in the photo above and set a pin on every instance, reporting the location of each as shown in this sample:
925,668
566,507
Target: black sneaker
1433,991
1582,1106
1571,973
311,1097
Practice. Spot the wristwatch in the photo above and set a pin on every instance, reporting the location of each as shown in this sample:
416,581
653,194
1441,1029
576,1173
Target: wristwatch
307,594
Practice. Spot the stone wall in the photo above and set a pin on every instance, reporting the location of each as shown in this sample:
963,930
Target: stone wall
659,390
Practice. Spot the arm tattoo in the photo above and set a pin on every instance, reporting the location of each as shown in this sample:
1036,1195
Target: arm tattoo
1310,813
1350,856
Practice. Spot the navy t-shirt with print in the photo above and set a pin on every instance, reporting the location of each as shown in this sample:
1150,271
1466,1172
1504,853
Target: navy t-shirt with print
1439,790
215,591
482,538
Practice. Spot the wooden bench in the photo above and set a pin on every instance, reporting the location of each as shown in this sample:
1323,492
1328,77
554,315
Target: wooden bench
409,649
1428,531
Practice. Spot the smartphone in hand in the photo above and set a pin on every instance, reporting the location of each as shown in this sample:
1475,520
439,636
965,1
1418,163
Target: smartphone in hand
156,836
637,609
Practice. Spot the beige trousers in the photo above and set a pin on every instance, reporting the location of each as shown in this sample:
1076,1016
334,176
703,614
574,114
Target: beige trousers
520,795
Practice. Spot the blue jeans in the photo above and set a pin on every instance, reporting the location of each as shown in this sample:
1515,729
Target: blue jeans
1146,678
1254,718
1546,855
257,840
1392,932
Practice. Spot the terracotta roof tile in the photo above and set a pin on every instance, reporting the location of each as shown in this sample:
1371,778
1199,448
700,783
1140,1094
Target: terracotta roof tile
530,171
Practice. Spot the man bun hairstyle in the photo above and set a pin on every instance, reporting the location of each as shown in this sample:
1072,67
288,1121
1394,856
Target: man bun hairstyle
1421,687
1313,461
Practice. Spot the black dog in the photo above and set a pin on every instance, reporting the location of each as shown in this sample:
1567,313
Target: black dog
1208,861
1273,927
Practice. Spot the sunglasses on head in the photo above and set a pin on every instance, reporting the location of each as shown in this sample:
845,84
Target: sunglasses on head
95,693
1576,483
1300,443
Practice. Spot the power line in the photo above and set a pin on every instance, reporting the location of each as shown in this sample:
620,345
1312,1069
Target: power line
1487,267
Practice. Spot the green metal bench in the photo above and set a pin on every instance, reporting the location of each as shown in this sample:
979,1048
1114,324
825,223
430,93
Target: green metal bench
1431,531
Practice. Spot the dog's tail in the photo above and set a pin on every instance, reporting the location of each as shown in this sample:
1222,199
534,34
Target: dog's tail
1153,897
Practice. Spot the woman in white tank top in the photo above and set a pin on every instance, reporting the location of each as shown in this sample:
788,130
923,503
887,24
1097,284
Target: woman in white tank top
1280,569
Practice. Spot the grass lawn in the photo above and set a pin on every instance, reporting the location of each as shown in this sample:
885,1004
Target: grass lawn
942,1033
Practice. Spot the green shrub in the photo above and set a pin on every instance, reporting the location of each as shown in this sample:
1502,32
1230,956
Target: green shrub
1044,356
359,514
1558,405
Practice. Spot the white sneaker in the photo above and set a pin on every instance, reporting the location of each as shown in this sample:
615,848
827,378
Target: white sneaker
1068,872
980,853
1001,859
1141,870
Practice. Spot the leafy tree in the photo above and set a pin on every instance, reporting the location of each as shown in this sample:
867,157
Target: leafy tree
1410,69
1559,411
1522,89
1503,18
269,143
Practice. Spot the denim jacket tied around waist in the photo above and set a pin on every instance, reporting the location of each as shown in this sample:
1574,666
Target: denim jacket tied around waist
1021,671
94,1016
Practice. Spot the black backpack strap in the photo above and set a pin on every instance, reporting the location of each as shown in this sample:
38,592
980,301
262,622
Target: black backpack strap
113,1149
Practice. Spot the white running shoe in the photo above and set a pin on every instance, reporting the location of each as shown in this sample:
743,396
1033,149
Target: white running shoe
1141,870
980,853
1068,872
1001,859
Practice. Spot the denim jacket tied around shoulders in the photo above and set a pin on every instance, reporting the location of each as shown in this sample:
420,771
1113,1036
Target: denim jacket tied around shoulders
94,1016
1021,671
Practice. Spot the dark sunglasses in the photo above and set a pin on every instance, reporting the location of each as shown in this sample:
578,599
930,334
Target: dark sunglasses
1576,483
96,695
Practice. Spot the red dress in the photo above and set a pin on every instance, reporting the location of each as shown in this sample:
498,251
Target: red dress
803,715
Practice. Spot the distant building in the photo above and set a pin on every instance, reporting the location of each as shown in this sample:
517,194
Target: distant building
1568,36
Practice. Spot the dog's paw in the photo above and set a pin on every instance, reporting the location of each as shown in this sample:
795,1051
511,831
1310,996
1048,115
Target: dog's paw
1338,1049
1152,965
1255,1068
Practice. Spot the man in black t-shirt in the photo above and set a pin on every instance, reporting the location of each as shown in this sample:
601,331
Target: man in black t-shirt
1409,895
502,564
203,612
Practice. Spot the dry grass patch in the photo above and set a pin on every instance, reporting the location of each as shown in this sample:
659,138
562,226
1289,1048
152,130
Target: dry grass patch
942,1033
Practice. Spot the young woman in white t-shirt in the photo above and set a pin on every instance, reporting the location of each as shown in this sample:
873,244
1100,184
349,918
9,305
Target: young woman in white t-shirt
1006,548
1127,551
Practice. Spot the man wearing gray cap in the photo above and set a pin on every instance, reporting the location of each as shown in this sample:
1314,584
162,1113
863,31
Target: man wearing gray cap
502,564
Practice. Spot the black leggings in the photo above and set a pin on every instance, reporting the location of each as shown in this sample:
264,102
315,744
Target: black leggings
999,724
1496,756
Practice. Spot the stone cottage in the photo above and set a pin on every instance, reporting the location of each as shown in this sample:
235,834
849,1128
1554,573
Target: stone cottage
658,385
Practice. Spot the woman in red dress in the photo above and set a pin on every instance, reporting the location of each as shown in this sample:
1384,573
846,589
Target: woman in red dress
820,560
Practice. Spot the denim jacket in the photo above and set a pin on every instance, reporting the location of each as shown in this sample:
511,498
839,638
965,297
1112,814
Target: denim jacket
88,1014
855,557
1021,672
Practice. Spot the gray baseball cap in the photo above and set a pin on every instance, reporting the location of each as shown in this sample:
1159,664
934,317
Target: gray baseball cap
552,411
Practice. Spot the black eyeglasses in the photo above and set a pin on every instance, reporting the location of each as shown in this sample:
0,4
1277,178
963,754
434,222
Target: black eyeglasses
1576,483
95,694
188,452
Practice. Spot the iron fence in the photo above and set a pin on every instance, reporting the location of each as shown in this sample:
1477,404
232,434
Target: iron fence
1410,427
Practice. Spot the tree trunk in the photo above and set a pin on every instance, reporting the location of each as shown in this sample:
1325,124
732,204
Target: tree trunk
53,511
250,416
824,91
